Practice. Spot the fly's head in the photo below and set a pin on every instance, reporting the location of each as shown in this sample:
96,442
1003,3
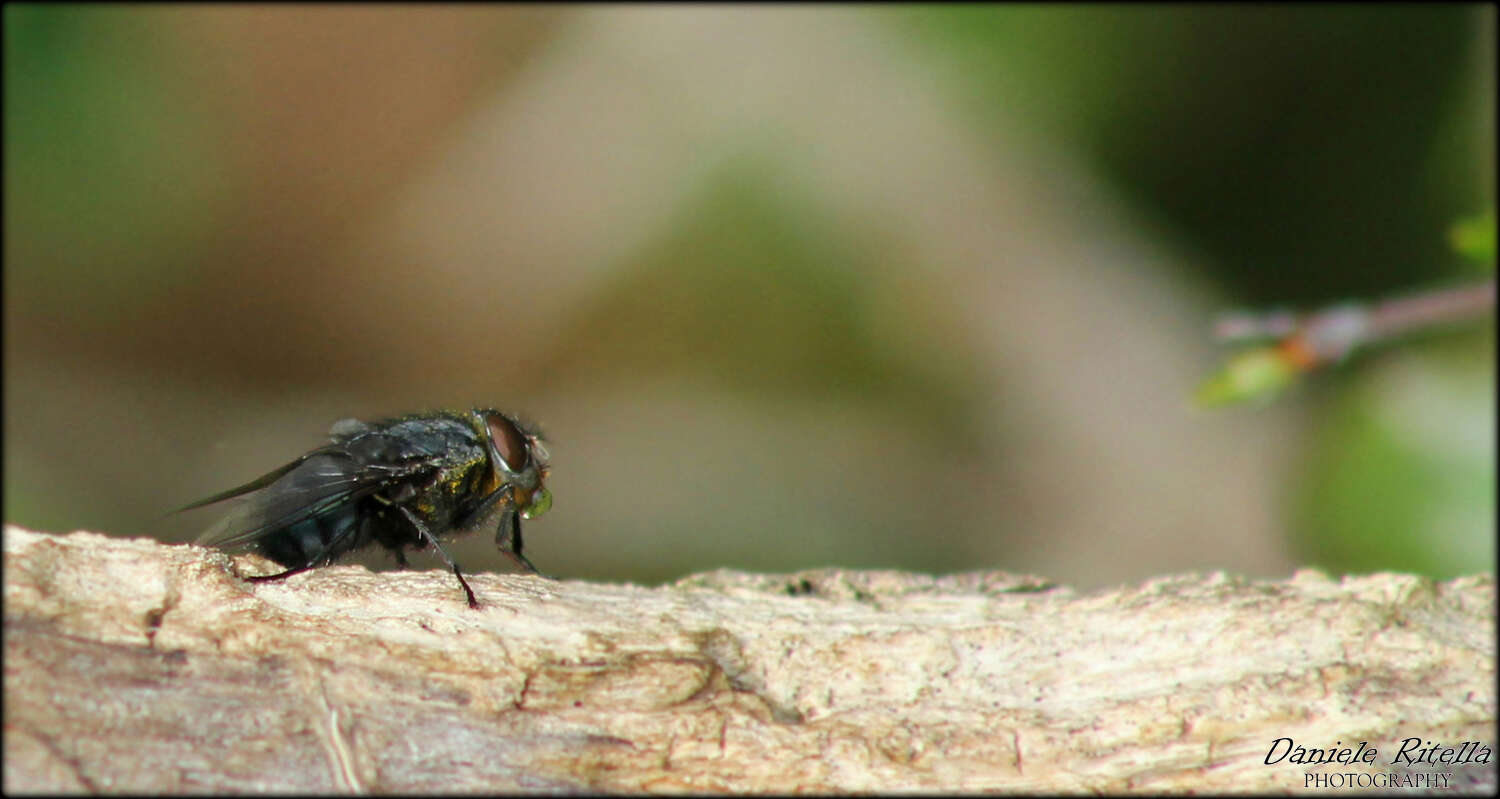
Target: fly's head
520,461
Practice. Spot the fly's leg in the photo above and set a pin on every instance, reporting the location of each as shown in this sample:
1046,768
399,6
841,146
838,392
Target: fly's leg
400,558
507,533
508,540
427,536
266,578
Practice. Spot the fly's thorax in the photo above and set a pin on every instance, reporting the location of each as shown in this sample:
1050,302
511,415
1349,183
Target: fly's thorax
443,460
454,486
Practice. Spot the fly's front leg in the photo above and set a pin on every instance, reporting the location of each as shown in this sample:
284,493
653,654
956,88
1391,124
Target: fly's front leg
427,537
508,540
507,532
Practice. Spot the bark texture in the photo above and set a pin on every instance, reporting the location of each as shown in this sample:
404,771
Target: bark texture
133,666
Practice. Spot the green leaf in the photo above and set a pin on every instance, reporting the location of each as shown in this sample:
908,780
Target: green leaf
1474,238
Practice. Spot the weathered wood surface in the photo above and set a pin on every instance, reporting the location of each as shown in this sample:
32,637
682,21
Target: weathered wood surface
137,667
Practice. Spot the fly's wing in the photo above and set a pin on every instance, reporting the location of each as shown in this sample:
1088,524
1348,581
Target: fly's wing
310,486
253,485
346,429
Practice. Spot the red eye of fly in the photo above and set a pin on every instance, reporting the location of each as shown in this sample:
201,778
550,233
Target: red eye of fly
509,442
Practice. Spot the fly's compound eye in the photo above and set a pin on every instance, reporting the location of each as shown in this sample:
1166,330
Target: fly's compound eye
509,442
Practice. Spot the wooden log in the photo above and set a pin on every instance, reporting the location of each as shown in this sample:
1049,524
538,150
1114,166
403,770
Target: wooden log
133,666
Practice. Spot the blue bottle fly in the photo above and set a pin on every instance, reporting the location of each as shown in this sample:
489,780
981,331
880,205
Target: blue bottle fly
402,482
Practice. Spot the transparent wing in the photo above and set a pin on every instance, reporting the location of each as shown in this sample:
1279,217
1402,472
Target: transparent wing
310,486
256,484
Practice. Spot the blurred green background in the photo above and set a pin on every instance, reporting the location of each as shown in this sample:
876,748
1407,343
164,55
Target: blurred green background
787,287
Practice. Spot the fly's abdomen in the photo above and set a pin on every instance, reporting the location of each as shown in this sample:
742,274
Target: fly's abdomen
313,541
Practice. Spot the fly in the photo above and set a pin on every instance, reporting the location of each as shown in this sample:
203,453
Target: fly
399,483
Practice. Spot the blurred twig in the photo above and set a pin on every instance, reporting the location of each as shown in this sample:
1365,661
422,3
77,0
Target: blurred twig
1329,335
1307,341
